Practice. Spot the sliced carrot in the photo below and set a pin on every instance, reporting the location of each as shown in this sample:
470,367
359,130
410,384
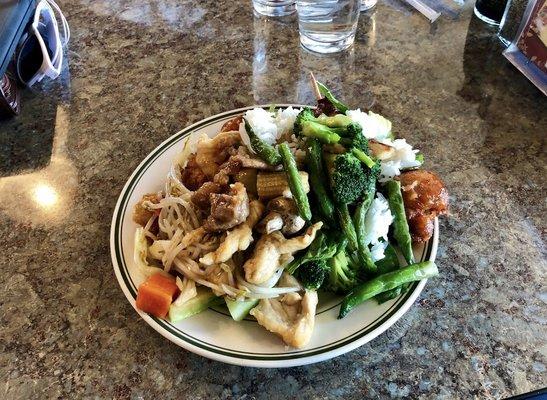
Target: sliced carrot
166,283
156,294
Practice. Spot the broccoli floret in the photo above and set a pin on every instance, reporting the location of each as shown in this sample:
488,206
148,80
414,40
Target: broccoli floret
358,140
323,247
352,136
371,177
305,115
312,274
348,180
342,277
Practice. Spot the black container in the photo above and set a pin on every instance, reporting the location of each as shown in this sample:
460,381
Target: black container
490,11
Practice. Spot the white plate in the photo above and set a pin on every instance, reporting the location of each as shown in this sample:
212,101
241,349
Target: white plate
213,333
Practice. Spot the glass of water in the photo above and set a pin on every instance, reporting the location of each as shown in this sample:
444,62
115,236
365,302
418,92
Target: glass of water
327,26
274,8
368,4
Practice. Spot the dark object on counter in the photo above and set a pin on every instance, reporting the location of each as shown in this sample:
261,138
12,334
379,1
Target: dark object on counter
490,11
535,395
509,25
9,97
14,17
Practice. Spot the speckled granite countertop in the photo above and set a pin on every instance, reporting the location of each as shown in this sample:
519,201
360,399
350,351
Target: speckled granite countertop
139,70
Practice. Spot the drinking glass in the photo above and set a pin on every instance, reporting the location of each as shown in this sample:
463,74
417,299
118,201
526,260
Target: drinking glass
368,4
490,11
327,26
274,8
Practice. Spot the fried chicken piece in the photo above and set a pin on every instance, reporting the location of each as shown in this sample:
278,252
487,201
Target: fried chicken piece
237,239
272,222
211,153
291,316
247,160
141,214
227,210
425,197
272,250
283,216
232,124
380,150
226,170
202,197
192,176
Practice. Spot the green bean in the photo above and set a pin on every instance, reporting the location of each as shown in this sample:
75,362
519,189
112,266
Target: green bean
385,282
389,295
359,221
389,263
295,183
347,226
266,151
318,178
401,232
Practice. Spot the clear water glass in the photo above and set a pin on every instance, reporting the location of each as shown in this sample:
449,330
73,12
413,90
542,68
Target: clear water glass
327,26
368,4
274,8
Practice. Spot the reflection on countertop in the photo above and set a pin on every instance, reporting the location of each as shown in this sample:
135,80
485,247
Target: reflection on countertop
42,196
140,70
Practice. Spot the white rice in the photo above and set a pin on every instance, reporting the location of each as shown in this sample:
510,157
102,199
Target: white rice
263,124
377,251
285,120
374,125
377,222
403,157
268,126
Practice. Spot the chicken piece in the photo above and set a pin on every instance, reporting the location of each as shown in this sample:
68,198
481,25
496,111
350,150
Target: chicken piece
425,197
141,214
274,249
237,239
202,197
211,153
270,223
192,176
335,148
232,124
292,222
291,316
379,150
247,160
228,210
229,168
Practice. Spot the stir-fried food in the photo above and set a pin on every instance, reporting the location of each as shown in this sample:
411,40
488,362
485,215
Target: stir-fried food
425,197
280,206
291,316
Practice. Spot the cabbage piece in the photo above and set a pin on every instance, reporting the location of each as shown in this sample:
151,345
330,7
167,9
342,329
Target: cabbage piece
187,289
374,125
144,270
